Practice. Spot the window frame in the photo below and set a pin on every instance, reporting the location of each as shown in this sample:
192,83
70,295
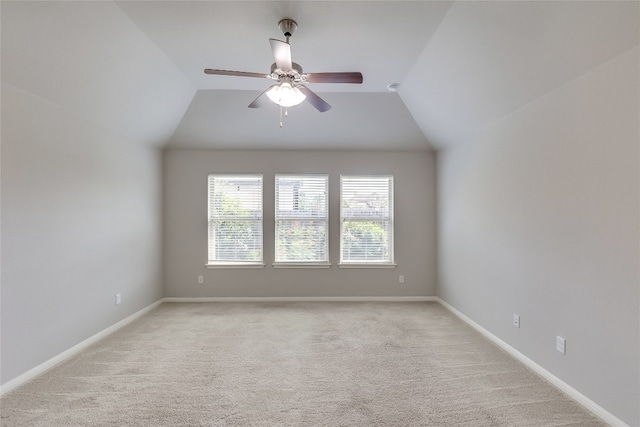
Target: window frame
390,262
223,263
278,217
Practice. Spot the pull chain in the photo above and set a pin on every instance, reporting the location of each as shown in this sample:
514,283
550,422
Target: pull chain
286,114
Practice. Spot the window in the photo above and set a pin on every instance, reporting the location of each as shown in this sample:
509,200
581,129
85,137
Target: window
366,217
235,220
301,216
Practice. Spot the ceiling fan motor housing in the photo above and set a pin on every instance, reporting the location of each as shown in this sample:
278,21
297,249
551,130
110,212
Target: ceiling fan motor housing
295,68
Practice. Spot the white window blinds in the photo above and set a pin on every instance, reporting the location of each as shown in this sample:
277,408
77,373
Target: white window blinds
301,216
235,219
366,217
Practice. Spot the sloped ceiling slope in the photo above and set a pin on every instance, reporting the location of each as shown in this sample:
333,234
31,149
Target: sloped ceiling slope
136,67
90,59
368,121
488,59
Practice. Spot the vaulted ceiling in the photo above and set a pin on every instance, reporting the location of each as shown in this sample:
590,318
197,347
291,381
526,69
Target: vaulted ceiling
136,67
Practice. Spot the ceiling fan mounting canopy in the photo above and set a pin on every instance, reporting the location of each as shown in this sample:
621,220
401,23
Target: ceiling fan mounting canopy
288,27
289,75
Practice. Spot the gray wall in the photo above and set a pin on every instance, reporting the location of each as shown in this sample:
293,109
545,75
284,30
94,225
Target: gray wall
81,221
539,216
185,225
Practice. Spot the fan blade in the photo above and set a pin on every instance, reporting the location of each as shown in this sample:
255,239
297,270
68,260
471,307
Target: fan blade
314,99
282,54
235,73
347,77
261,100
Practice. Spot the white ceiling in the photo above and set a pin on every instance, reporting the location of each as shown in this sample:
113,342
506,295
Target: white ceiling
137,66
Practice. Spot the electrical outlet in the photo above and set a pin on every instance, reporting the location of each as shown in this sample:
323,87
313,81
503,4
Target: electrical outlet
200,279
401,278
561,345
516,320
118,299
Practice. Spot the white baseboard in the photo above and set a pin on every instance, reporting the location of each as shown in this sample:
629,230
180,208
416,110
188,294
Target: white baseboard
45,366
583,400
299,299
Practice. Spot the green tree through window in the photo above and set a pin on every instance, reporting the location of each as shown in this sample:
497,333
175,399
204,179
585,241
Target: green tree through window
301,218
366,216
235,219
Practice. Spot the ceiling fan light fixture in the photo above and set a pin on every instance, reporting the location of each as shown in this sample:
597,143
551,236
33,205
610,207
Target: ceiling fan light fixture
286,95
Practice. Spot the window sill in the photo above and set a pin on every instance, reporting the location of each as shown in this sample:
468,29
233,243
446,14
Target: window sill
301,265
360,265
235,265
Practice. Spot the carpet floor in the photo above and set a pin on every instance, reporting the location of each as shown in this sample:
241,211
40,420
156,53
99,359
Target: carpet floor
292,364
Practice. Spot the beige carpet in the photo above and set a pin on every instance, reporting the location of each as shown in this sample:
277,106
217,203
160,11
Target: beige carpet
292,364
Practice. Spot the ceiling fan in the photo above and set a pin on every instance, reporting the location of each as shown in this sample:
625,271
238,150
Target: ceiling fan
290,89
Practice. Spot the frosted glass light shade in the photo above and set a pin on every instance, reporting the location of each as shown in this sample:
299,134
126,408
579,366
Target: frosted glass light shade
286,95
